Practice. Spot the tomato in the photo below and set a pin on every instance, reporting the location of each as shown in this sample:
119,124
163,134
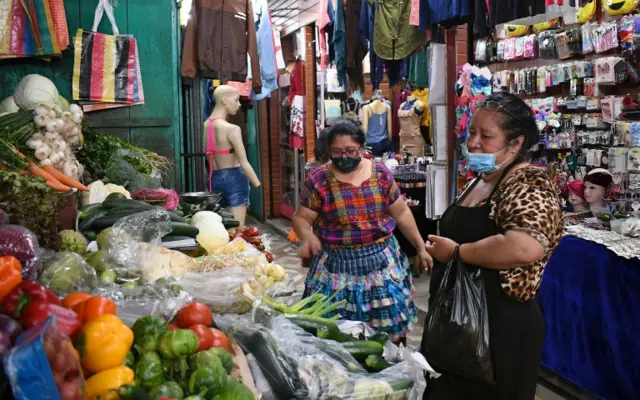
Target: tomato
252,232
220,340
173,327
193,314
205,336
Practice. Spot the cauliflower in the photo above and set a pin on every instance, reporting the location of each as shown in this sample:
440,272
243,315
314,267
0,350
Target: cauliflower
72,241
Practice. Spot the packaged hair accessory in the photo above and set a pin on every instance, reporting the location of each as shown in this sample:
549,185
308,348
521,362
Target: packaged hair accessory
519,53
530,46
509,49
587,38
548,45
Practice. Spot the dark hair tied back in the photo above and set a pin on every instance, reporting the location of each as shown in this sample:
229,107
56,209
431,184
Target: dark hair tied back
517,120
346,127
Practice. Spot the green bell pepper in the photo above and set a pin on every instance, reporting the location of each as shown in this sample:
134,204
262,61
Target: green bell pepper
234,390
149,370
194,397
130,361
132,392
168,389
178,343
225,357
206,382
147,331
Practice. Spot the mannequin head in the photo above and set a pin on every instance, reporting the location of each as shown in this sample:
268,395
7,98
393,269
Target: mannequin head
575,195
227,99
596,183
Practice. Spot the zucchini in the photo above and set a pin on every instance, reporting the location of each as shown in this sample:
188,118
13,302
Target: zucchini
380,337
88,210
116,195
90,235
108,220
126,203
338,336
176,217
183,229
375,363
311,325
230,223
87,224
362,349
404,384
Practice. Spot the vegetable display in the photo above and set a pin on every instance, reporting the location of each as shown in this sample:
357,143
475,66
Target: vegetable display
104,343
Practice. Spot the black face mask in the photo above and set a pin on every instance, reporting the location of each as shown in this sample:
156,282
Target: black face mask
346,164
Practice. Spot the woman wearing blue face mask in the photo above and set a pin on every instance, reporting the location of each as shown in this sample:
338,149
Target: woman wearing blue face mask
353,205
507,222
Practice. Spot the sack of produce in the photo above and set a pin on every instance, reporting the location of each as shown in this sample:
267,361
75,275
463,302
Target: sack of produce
20,242
68,272
44,365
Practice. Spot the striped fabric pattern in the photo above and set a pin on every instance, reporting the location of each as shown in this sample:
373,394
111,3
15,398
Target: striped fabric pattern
28,28
374,279
106,68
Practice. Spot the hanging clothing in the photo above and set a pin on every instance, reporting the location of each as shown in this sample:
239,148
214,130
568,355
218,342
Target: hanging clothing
423,96
356,48
360,260
367,23
542,11
340,44
266,50
419,68
414,17
446,12
296,81
516,325
321,22
278,48
377,127
482,21
506,11
213,26
394,38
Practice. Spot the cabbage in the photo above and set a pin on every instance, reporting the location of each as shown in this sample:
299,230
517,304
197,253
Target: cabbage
67,272
63,103
34,90
8,105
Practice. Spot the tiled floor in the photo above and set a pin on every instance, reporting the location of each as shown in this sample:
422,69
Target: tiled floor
286,254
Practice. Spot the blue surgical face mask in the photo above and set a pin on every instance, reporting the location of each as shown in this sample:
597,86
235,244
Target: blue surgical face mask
481,163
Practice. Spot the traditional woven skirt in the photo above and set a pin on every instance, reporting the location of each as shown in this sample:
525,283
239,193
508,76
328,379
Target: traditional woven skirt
375,279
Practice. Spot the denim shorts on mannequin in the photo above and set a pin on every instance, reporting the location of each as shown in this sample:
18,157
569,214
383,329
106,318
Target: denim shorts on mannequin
234,186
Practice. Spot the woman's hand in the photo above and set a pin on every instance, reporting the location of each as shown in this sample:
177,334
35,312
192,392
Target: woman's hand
440,248
425,260
310,246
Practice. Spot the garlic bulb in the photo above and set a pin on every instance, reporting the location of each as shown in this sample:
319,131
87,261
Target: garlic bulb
74,108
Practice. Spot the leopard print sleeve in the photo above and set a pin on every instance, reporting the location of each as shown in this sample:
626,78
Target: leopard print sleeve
527,202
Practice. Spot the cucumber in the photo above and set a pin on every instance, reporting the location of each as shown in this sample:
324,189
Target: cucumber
183,229
404,384
375,363
380,337
90,235
116,195
338,336
362,349
126,203
309,325
230,223
108,220
88,210
87,224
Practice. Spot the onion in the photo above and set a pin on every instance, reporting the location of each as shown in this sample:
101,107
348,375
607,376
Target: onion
74,131
74,108
52,114
42,153
38,136
41,120
68,169
73,139
76,117
52,136
60,125
46,162
33,143
52,126
10,326
60,145
66,116
41,110
55,159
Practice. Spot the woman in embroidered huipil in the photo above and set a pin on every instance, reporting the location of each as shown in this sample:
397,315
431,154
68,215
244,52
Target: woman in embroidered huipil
348,210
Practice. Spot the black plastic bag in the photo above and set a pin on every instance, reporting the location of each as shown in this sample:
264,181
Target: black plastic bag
457,337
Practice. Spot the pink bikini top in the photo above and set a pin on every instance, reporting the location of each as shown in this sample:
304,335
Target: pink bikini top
211,149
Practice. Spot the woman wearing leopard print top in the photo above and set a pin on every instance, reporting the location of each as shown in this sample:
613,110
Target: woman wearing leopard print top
507,222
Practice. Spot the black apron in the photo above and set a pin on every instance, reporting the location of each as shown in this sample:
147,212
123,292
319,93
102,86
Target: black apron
516,329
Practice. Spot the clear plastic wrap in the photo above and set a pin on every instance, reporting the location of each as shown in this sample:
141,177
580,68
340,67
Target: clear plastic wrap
228,290
163,298
44,365
457,337
299,365
134,243
20,242
68,272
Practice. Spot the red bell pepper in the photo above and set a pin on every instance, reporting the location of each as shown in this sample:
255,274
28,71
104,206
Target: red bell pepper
25,293
37,311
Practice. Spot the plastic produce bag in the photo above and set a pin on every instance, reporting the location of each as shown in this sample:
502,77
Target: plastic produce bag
299,365
68,272
163,298
44,365
20,242
457,337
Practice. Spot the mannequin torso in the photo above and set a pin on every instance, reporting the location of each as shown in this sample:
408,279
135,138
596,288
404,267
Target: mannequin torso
379,108
410,116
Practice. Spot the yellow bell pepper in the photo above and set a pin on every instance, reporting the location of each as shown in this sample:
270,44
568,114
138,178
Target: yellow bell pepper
105,385
103,343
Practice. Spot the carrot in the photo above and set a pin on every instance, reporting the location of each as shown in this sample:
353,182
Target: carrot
65,180
51,181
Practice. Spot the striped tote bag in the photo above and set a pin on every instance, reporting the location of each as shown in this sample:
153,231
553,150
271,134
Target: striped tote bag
106,68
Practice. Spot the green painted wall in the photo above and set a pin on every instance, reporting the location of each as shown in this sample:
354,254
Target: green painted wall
253,155
156,125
